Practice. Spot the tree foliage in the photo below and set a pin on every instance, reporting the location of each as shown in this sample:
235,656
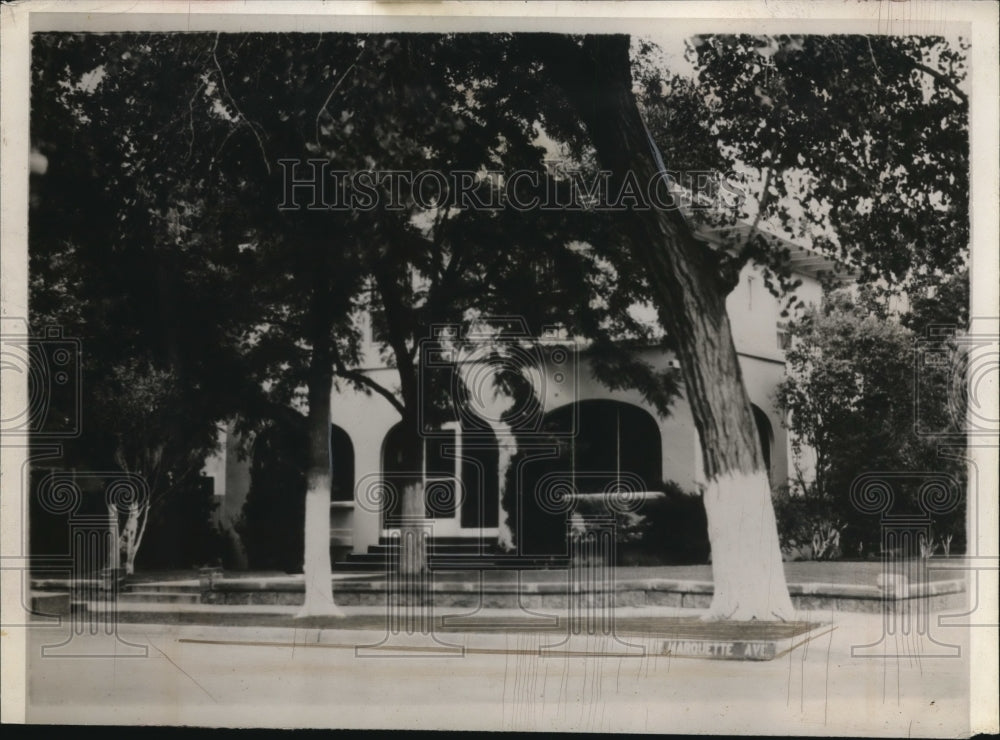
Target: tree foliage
853,393
114,261
860,141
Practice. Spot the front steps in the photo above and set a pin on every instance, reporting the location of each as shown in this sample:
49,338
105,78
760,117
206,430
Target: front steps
159,596
451,553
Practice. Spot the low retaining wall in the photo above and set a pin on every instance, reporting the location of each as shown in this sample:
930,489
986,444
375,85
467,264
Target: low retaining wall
694,594
217,589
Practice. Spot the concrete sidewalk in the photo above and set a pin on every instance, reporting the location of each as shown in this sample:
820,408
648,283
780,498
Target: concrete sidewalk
325,676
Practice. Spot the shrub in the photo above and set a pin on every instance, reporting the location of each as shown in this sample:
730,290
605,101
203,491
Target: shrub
855,381
673,530
809,527
270,525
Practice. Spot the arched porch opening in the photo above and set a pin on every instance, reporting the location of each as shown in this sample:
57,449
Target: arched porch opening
594,447
342,464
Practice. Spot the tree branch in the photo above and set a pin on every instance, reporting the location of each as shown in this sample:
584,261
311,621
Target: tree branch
243,117
444,275
356,376
289,325
394,312
943,80
211,164
765,201
871,53
437,255
360,378
141,530
191,121
730,266
329,97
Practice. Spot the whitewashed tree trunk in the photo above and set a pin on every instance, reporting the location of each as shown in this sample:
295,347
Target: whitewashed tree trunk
689,282
747,568
130,538
126,540
115,550
316,566
413,553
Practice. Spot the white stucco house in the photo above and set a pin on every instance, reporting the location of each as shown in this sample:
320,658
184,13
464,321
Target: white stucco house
610,435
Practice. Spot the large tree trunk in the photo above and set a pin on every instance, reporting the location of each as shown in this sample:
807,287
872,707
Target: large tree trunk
131,538
690,294
115,551
411,516
317,568
413,510
126,541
